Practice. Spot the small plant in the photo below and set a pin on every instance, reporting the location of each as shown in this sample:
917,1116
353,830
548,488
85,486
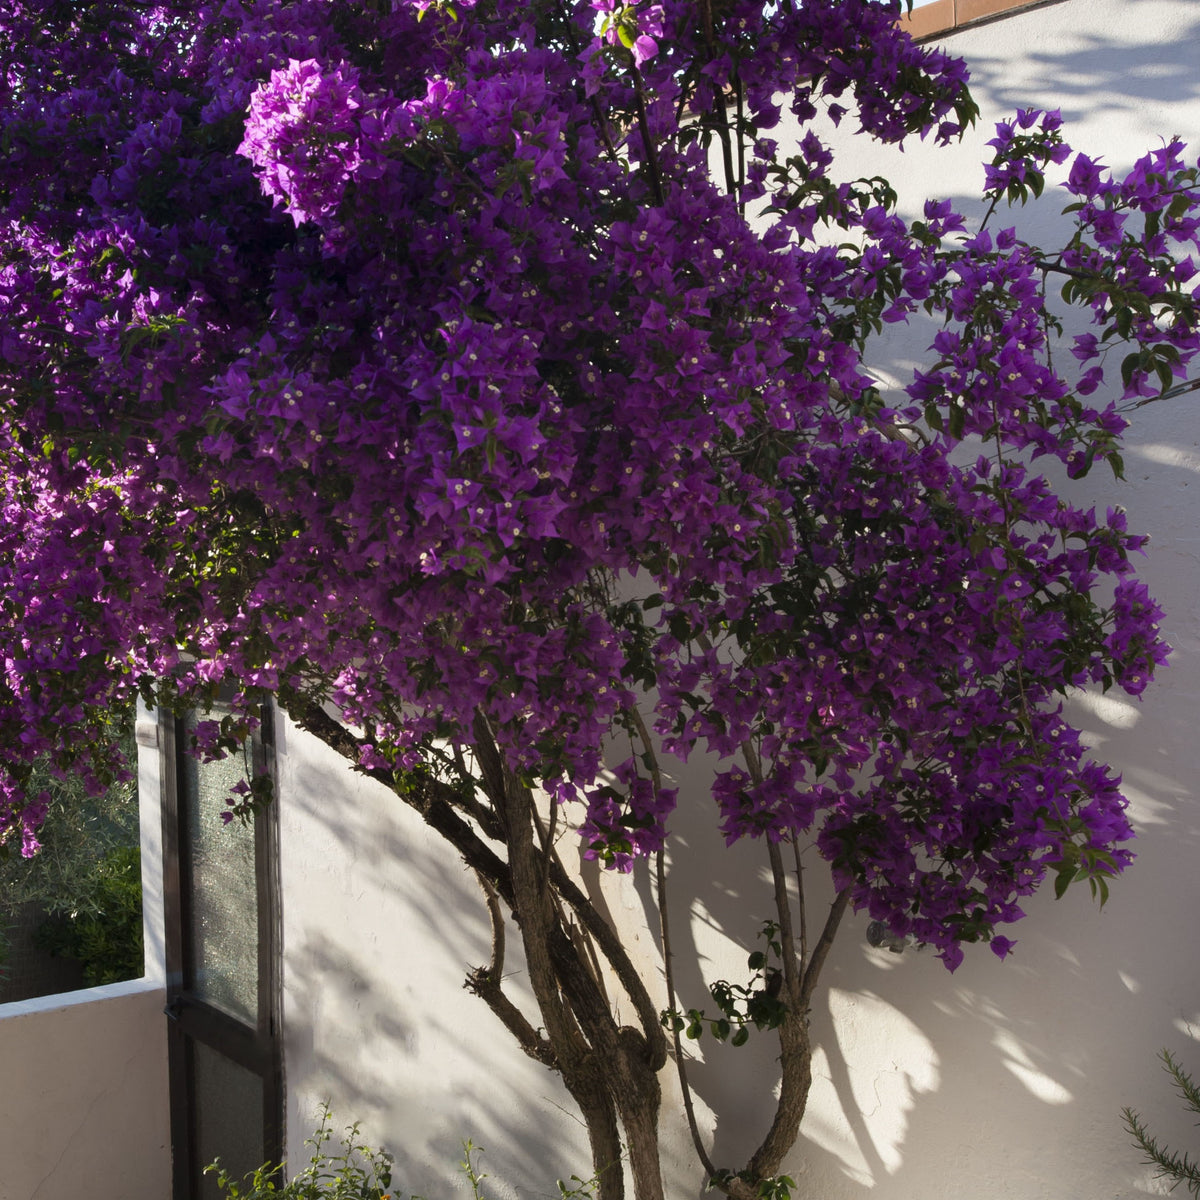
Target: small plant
1179,1168
577,1189
775,1187
468,1168
359,1172
757,1004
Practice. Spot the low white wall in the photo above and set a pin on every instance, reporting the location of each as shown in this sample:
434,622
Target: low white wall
83,1096
83,1075
1001,1082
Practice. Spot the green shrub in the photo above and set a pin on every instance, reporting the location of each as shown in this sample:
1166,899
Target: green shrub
86,876
101,925
357,1173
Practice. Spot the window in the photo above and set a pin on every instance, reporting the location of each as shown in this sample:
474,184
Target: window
221,900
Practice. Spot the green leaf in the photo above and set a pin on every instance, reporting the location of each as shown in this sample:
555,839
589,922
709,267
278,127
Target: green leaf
1129,364
957,421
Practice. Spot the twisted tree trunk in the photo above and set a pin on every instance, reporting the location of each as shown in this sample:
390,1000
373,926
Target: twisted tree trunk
573,956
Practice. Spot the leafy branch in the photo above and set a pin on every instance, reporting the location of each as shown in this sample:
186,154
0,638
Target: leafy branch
1179,1168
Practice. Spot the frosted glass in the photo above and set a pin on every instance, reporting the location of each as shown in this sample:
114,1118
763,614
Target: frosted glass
228,1112
223,917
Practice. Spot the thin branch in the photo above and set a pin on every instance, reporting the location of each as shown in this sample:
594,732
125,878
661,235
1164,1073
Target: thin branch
1179,390
664,925
486,983
546,837
795,1050
585,947
824,942
656,182
480,984
487,818
800,901
617,957
491,765
648,745
680,1067
495,968
601,123
431,798
741,144
783,909
1044,265
721,121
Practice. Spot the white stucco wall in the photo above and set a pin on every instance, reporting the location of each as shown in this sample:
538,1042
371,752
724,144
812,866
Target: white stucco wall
83,1095
380,924
1001,1082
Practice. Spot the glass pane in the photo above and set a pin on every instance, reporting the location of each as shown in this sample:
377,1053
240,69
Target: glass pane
224,894
228,1109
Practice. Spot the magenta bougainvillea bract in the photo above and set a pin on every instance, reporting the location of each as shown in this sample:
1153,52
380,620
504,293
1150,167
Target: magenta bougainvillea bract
430,359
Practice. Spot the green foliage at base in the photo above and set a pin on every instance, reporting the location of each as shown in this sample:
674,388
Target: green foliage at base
1179,1168
358,1172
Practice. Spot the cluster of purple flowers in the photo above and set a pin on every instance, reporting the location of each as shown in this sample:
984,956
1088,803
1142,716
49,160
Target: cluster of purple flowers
302,135
414,359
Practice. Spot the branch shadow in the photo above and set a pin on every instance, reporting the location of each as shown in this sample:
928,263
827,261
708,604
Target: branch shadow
382,923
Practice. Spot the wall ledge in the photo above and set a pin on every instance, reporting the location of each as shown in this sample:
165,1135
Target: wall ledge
93,995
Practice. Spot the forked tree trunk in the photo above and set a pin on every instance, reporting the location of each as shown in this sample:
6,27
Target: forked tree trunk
610,1069
639,1118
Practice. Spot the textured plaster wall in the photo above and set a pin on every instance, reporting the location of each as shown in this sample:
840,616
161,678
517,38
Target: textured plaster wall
1001,1082
381,923
83,1096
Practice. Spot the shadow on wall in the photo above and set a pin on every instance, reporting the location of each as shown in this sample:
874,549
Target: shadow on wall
1143,58
382,924
923,1079
1011,1075
1008,1075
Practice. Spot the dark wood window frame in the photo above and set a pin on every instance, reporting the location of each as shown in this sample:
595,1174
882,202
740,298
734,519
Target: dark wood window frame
257,1050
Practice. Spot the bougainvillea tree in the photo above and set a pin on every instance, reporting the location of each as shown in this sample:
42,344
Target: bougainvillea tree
487,384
